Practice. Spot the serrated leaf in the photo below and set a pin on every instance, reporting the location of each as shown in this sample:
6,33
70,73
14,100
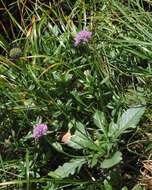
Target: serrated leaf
67,169
129,119
100,121
115,159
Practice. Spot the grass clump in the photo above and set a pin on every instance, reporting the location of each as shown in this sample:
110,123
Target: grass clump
90,98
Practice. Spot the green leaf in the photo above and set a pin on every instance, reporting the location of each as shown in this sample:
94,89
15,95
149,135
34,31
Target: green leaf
67,169
115,159
124,188
113,129
81,139
107,186
57,146
138,187
94,160
100,121
129,119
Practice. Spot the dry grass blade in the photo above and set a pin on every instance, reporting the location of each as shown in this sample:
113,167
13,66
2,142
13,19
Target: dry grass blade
146,172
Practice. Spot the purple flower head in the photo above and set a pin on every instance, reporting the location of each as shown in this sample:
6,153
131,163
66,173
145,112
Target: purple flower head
39,130
82,36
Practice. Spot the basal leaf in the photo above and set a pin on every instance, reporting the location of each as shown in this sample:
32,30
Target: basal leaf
129,119
67,169
81,138
115,159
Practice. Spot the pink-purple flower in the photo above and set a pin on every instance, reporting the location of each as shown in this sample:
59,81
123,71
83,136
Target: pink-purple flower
39,130
82,37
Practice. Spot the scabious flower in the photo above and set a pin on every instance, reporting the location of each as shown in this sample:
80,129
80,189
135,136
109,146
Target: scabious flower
82,37
39,130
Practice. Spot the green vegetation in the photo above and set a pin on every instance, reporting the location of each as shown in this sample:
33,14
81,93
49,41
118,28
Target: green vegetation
95,98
